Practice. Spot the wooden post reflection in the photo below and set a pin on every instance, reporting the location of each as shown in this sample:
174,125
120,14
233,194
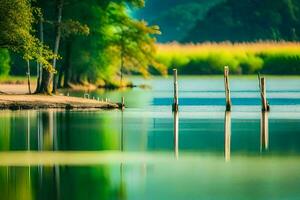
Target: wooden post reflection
264,131
122,131
48,140
28,130
227,133
176,125
122,186
28,147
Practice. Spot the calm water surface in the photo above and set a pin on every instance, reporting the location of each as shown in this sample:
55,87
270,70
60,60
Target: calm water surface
147,152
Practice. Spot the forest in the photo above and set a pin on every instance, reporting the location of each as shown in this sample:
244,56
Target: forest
248,21
174,17
71,41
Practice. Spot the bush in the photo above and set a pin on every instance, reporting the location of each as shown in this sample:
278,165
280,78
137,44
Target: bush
281,64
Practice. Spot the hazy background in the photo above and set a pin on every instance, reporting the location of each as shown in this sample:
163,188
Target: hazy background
222,20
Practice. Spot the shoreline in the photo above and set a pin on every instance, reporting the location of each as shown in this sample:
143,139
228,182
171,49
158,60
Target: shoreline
35,101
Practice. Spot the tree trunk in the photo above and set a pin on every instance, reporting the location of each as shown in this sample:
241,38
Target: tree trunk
28,77
57,40
40,65
75,78
60,76
67,64
38,80
45,86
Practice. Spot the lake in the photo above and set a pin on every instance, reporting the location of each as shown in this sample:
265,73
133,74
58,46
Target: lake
148,152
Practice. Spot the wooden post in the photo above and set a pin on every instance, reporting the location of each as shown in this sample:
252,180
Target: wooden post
175,101
227,133
258,76
263,94
176,125
264,103
227,89
264,131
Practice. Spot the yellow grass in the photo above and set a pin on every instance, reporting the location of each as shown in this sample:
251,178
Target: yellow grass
241,57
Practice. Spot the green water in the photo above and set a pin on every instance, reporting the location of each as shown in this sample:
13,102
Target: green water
147,152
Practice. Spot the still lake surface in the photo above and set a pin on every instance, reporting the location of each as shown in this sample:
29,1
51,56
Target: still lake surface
147,152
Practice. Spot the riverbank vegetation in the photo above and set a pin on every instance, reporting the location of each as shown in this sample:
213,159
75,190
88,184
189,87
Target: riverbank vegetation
243,58
75,41
72,42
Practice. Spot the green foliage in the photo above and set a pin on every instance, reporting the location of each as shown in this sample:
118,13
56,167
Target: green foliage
113,35
96,37
247,58
174,17
71,27
249,20
133,41
16,19
178,20
4,62
283,63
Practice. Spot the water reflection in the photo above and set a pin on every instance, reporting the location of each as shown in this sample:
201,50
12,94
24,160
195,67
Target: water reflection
89,182
193,178
46,125
124,131
227,133
28,131
176,136
264,131
56,130
122,185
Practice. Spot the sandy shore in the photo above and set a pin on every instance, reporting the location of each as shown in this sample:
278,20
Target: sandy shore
15,88
14,97
19,101
23,88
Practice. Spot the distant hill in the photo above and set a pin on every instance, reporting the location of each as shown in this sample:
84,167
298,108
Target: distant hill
175,17
249,20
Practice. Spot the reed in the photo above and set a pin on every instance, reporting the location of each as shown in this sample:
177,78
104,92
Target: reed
243,58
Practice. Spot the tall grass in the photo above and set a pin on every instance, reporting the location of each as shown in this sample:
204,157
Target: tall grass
242,58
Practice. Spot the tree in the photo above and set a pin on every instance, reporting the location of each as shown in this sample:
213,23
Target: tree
47,76
62,29
96,58
70,29
16,19
132,38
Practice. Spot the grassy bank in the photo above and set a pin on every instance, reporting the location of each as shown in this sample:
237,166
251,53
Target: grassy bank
243,58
